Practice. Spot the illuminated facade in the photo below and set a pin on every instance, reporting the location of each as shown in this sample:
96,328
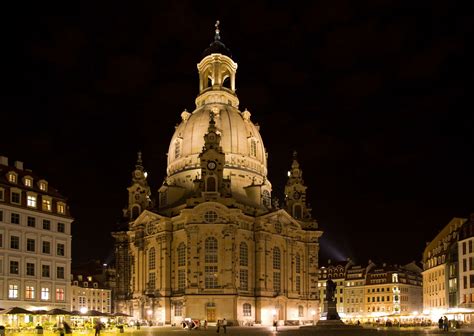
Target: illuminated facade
35,241
465,266
89,294
440,292
214,244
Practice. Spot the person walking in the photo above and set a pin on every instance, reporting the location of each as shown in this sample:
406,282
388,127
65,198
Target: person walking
445,323
97,327
441,323
218,325
224,325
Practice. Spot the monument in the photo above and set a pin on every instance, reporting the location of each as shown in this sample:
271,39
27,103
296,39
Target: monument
329,312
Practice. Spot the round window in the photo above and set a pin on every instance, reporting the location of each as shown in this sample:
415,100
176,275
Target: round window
210,216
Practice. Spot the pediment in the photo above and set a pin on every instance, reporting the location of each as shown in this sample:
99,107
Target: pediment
146,217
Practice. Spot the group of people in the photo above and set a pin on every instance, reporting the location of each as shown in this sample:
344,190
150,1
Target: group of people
443,323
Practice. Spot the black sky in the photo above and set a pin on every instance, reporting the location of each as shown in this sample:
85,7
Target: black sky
376,96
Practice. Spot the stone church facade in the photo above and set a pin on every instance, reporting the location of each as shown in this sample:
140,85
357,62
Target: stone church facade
215,244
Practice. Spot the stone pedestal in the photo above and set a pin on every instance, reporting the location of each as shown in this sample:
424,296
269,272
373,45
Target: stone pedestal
329,311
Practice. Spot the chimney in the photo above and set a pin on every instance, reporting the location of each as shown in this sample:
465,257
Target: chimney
3,160
19,165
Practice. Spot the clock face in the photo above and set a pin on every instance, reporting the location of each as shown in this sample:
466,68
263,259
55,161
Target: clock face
138,173
296,195
211,165
211,136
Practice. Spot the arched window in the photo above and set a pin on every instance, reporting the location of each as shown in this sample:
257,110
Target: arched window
297,211
135,211
244,254
151,258
253,147
300,311
276,258
182,254
178,309
211,184
297,263
210,247
247,309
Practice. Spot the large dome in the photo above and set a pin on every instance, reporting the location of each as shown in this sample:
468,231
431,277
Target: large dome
245,155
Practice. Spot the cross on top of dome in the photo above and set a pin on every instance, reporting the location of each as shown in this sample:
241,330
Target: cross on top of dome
217,47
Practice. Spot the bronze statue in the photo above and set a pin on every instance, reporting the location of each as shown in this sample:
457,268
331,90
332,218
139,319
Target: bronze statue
330,290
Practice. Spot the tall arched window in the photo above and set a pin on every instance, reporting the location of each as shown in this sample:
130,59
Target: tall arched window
247,309
276,258
297,263
297,211
244,254
151,258
182,255
211,184
210,247
210,259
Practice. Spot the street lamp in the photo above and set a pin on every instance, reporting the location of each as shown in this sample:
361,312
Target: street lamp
275,323
83,310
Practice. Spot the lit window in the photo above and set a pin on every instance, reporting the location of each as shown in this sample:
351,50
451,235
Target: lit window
59,294
43,186
13,291
210,276
247,309
182,255
46,204
28,182
44,293
12,177
31,201
61,208
30,292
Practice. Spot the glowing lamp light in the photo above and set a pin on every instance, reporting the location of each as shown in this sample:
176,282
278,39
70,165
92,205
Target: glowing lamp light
149,312
274,312
289,173
83,310
313,313
146,174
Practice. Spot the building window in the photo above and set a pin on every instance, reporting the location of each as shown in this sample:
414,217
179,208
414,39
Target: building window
297,263
60,272
151,258
45,271
46,247
60,250
45,293
300,311
178,309
210,216
464,248
28,182
2,194
253,148
244,254
151,280
211,184
1,245
298,283
12,178
1,216
247,309
61,208
278,227
31,221
244,279
471,263
210,247
15,242
46,224
210,280
15,197
177,149
30,292
276,282
46,204
182,255
43,186
61,227
60,294
30,269
15,218
30,245
13,291
181,279
266,199
470,246
276,258
31,201
14,267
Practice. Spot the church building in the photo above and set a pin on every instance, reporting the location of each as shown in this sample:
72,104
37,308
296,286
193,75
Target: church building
212,243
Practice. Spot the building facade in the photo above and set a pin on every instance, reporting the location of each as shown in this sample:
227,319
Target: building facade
214,244
87,293
465,268
35,241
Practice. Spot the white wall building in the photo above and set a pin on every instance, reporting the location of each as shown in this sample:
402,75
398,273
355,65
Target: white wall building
35,241
88,293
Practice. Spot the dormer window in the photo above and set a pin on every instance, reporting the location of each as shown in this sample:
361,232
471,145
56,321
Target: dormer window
61,208
12,177
28,181
43,185
46,204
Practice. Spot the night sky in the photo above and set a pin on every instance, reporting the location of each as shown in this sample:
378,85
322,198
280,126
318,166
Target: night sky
376,97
